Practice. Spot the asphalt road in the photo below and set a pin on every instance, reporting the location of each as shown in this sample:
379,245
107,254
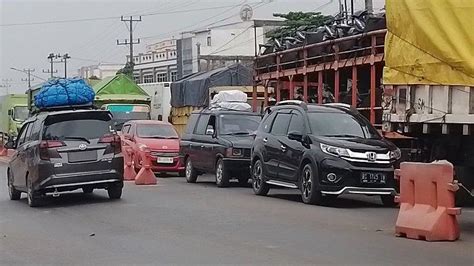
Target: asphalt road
179,223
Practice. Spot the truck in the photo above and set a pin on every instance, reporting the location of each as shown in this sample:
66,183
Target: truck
160,99
13,112
420,98
123,98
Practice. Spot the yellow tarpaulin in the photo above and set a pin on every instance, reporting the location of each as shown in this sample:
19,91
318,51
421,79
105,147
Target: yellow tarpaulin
429,42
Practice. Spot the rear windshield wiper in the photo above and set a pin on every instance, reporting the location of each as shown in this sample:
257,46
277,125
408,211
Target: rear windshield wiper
78,138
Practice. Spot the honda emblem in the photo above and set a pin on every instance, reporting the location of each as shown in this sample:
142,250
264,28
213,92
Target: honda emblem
372,156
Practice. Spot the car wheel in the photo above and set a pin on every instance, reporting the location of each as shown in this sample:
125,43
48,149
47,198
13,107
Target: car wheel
309,187
12,192
388,200
33,199
115,190
87,190
222,175
190,172
258,183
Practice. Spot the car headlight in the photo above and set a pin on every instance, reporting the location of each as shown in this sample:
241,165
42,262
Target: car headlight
234,152
336,151
395,154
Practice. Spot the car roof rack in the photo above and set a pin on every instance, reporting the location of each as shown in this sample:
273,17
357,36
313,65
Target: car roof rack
342,105
293,102
65,108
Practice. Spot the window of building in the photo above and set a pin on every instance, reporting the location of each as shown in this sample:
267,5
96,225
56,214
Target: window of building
161,77
209,41
148,79
174,75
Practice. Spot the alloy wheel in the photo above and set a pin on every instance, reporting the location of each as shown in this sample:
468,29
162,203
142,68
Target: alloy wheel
257,175
219,172
189,168
307,181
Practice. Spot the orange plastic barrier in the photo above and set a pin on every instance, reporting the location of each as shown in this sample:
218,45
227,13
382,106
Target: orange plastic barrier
427,209
145,176
3,150
129,173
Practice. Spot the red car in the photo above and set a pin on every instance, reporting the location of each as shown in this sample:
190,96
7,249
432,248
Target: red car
161,138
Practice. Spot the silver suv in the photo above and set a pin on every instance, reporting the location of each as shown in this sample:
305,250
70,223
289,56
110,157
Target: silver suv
64,151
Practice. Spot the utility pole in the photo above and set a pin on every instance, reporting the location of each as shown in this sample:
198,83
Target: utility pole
369,6
65,58
6,84
130,42
28,73
51,58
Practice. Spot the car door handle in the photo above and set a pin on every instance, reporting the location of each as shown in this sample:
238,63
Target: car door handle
265,140
202,146
283,148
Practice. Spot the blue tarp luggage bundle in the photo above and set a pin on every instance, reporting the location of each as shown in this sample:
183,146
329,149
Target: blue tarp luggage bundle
64,92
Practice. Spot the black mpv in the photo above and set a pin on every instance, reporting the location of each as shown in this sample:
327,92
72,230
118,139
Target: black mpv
323,150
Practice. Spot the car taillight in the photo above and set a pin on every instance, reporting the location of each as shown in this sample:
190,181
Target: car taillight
45,146
114,140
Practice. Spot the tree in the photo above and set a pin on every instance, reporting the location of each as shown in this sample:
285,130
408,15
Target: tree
127,70
295,21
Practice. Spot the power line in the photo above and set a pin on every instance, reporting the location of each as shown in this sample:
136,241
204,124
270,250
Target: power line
199,22
19,70
28,77
110,18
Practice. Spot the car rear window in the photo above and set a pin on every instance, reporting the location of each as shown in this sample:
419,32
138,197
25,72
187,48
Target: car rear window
85,125
156,131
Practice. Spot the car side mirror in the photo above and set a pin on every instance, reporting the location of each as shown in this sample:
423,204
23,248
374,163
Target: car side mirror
10,144
294,135
10,112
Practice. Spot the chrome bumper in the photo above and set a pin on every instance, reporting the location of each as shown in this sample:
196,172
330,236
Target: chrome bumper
362,190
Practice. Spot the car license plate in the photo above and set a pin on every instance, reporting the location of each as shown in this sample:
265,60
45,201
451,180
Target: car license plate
164,160
373,178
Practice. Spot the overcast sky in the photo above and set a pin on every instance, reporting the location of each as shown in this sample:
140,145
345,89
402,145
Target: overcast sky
92,41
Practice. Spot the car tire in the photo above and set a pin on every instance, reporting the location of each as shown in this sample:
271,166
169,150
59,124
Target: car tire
12,192
190,172
87,190
310,193
115,190
259,186
33,199
222,175
388,201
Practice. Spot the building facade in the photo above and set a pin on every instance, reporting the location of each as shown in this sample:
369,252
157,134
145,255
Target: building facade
101,71
157,64
223,45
